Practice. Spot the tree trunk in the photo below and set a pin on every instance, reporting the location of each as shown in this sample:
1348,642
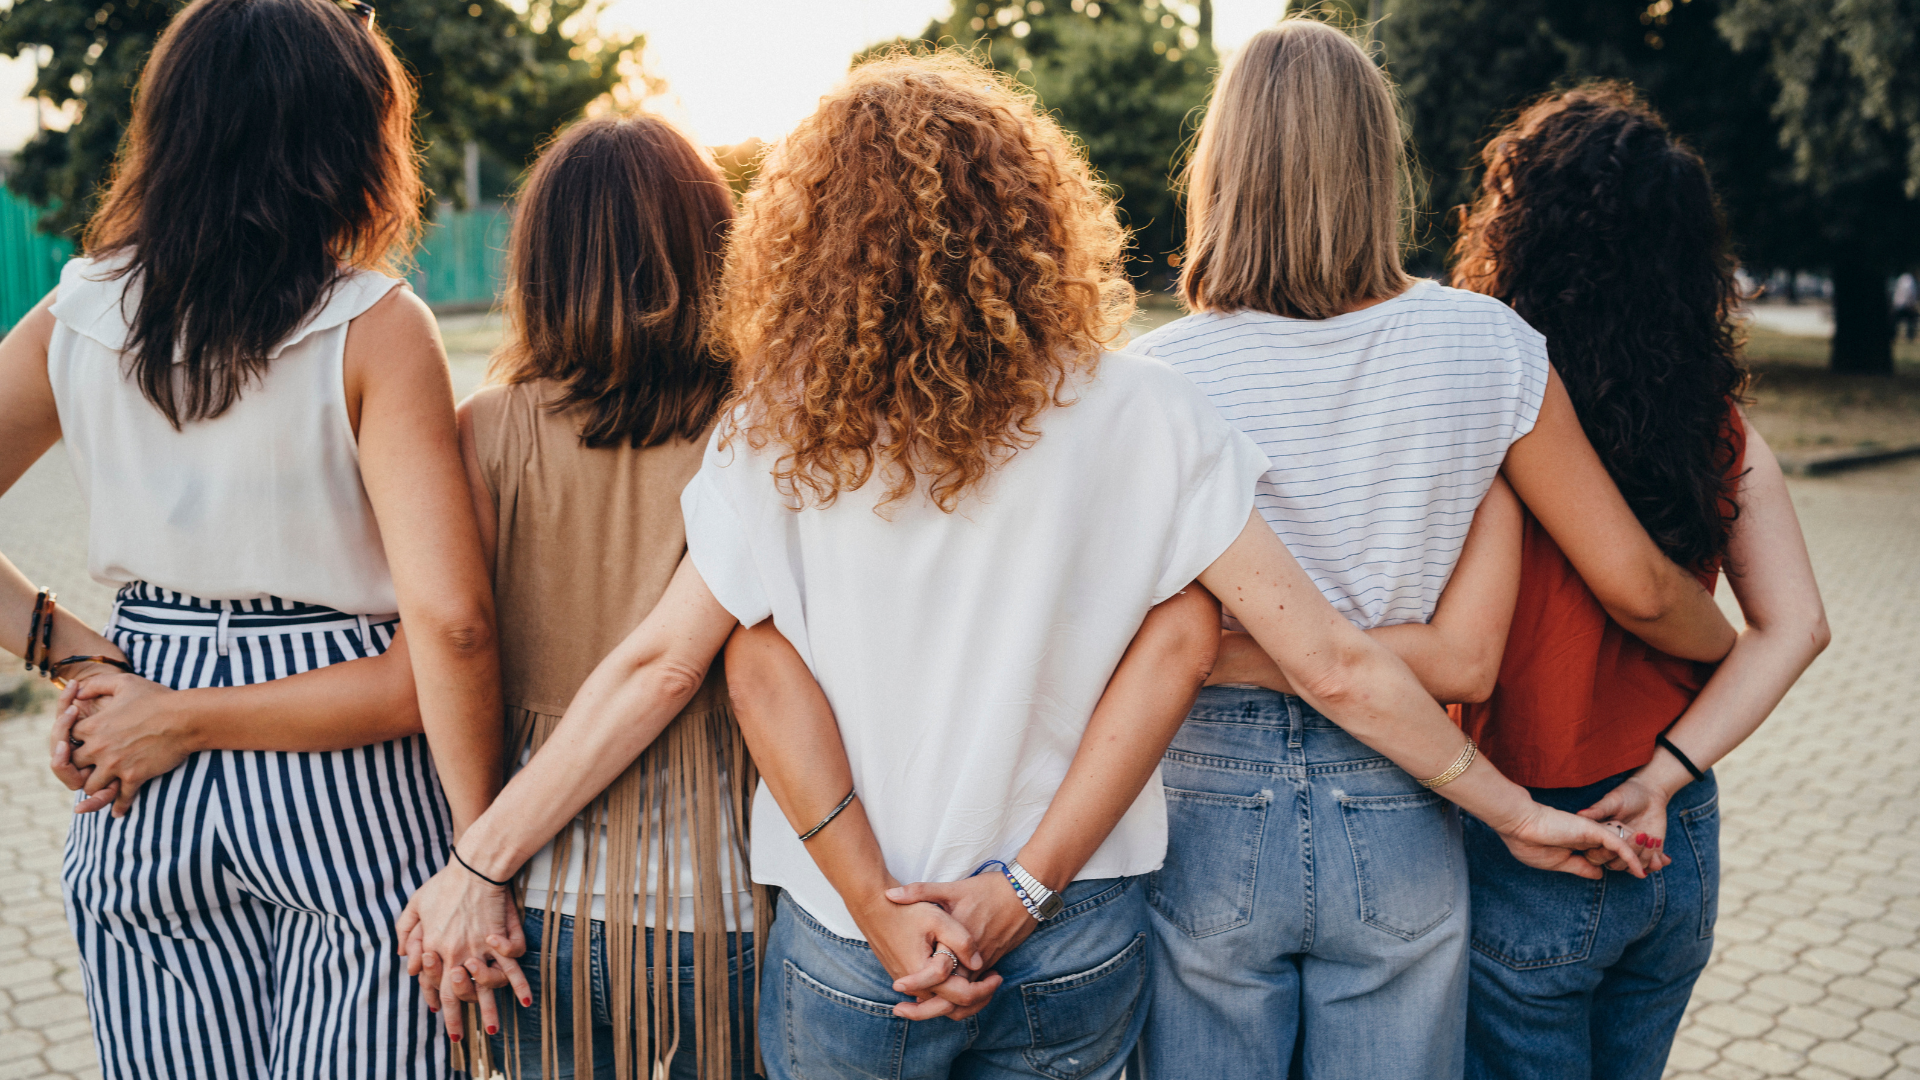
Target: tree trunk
1862,318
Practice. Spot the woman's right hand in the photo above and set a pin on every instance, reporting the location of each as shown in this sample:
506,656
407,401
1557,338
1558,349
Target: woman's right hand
1549,839
904,938
461,936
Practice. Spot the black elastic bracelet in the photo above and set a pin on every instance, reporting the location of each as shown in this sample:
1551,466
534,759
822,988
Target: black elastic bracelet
808,835
1680,757
107,660
475,873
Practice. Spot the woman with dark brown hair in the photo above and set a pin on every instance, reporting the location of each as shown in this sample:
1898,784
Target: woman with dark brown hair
640,916
1600,228
261,423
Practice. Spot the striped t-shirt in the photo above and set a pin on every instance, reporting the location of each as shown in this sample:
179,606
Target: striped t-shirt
1385,427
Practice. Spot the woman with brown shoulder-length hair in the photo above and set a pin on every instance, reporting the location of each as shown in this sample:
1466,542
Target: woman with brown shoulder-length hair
261,423
639,914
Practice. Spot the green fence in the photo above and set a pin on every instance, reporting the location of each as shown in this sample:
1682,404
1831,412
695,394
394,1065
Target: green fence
30,260
460,261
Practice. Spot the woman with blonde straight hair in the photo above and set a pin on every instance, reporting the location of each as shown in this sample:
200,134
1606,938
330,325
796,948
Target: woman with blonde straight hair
1313,905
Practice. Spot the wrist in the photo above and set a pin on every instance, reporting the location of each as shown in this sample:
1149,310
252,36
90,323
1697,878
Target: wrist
485,855
1663,774
176,714
1048,868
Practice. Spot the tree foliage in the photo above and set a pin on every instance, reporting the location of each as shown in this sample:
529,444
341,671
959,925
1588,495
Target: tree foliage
1801,128
485,71
1127,77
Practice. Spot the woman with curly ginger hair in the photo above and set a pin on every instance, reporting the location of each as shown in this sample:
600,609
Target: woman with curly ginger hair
962,539
1600,228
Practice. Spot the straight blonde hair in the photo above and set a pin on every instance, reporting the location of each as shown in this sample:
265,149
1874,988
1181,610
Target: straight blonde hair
1296,193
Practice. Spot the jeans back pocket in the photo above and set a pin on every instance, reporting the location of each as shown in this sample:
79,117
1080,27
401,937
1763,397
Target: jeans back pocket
1079,1022
842,1035
1526,918
1403,860
1701,826
1206,884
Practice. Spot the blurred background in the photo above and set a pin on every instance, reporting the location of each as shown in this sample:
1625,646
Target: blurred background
1807,111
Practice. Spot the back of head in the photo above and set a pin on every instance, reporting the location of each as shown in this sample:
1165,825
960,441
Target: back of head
921,266
1297,188
272,143
616,247
1601,229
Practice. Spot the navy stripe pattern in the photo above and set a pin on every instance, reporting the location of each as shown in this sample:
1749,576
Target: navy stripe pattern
1385,426
238,923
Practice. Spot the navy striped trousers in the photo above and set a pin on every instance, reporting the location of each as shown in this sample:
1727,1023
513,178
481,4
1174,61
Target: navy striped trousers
238,923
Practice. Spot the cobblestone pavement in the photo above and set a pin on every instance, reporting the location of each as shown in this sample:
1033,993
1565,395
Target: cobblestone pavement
1817,961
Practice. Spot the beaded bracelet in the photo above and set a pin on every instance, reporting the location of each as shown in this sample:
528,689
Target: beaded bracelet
1019,890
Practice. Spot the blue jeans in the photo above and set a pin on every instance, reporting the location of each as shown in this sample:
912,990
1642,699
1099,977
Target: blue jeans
1069,1008
1576,979
684,1065
1312,913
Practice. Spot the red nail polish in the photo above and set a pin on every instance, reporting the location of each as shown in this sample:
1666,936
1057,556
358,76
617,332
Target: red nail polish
526,1001
492,1029
455,1036
1658,842
433,1008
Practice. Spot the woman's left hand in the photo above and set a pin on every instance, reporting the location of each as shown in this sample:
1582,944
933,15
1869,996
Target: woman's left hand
985,904
1640,807
461,937
115,732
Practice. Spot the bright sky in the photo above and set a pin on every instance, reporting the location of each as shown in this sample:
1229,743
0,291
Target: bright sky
735,69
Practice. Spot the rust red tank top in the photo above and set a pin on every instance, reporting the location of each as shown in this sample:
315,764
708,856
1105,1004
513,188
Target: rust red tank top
1579,699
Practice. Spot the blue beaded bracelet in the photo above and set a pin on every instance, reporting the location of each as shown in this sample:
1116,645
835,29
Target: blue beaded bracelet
1019,890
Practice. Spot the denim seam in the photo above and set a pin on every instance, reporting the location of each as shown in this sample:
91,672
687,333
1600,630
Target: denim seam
1304,799
1092,903
813,924
1708,911
1277,768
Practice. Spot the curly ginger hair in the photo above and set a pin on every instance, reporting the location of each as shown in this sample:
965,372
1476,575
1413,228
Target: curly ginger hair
923,265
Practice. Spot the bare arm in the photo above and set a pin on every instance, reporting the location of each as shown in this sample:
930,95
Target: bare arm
1556,473
1786,628
1457,655
29,426
133,730
401,396
1355,682
628,700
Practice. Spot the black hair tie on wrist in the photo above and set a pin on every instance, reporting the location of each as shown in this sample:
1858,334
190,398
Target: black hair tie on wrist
471,870
1680,757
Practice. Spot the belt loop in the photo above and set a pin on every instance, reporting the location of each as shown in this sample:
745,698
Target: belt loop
220,631
366,635
1296,722
113,619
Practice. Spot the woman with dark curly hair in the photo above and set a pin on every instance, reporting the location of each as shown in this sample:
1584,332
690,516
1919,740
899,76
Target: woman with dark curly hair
1601,229
963,536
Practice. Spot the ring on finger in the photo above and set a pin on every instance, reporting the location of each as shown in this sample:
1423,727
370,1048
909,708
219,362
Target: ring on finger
953,959
1619,829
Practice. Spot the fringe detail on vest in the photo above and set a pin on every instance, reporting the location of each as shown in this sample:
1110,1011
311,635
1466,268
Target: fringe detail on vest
693,778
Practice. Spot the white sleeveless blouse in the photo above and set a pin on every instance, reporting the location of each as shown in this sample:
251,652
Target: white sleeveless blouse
263,500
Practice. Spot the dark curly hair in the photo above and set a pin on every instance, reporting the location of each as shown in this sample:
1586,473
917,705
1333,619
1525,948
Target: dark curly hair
1601,229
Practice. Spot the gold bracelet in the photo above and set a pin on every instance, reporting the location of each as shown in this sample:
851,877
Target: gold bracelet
1460,765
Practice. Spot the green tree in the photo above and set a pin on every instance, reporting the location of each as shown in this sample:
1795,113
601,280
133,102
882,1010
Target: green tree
1125,76
1465,67
486,73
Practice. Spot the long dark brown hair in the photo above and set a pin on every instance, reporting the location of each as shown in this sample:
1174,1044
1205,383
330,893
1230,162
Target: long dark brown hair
1601,229
617,244
272,146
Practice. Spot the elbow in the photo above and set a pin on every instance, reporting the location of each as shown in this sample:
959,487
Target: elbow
1648,603
1191,650
1335,684
465,632
672,680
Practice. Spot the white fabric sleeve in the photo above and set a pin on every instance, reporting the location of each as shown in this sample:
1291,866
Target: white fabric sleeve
718,544
1213,510
1529,351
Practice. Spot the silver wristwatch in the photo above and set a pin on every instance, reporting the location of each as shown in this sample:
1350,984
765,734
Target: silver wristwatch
1044,903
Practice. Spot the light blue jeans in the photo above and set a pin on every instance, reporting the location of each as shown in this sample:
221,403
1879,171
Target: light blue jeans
1587,980
1069,1008
1311,917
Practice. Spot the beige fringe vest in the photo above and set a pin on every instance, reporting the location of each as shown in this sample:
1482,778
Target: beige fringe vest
586,542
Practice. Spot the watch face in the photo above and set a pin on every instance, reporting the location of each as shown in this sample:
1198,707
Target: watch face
1051,906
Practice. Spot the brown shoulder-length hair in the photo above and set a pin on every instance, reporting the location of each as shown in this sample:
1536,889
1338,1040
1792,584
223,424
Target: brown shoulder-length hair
272,146
617,242
1298,187
1601,229
922,265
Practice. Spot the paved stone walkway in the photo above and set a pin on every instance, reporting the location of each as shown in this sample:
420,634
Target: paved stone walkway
1818,955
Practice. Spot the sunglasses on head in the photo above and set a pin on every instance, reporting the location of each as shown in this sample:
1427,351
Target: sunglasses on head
359,9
